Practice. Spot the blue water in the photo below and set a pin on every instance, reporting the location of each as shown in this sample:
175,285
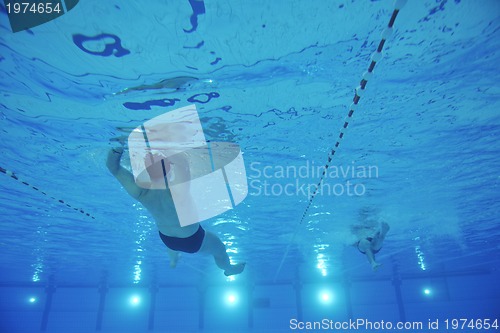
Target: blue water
277,78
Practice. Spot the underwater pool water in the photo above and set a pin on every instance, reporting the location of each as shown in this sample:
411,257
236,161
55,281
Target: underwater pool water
421,153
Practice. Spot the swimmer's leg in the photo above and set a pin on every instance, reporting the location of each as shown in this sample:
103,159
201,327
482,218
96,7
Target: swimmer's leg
380,236
214,246
371,258
366,246
174,257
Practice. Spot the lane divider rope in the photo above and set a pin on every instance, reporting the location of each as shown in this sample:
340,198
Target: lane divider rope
376,57
63,202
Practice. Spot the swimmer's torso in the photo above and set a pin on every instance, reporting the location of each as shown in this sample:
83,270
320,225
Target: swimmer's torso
160,204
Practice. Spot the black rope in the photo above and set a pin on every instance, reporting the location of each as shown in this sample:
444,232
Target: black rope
15,177
355,100
375,57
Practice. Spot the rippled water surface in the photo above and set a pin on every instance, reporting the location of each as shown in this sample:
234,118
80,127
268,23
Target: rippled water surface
277,78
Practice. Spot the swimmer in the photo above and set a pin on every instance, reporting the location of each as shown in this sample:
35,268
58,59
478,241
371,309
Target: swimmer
370,234
191,238
176,84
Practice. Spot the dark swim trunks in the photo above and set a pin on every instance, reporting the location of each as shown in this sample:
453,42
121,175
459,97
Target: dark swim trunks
191,244
370,240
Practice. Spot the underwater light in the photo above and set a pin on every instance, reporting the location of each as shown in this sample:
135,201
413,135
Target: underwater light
231,299
135,300
325,297
32,300
427,291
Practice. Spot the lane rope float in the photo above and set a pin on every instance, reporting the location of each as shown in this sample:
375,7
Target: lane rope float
376,57
12,175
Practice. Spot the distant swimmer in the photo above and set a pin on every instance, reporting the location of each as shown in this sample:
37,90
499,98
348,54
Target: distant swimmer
370,233
179,83
191,238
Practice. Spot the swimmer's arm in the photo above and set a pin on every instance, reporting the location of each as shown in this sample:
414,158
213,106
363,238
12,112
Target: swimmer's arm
124,177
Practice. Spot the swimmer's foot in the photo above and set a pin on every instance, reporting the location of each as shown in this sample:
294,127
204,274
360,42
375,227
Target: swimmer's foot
376,266
234,269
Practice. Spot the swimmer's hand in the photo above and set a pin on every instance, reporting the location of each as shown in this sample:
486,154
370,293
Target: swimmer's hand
122,140
113,161
118,150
